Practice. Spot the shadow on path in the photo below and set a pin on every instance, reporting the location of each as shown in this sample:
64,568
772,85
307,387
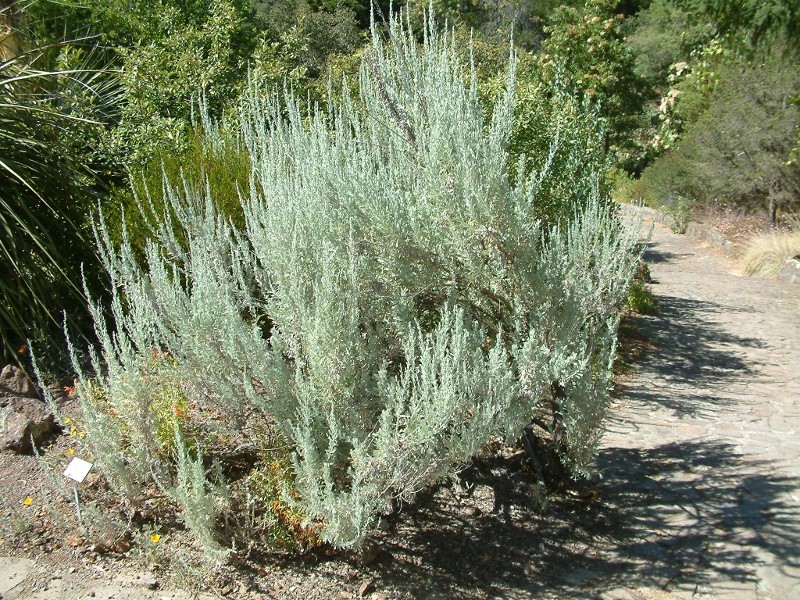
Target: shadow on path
654,256
678,514
693,357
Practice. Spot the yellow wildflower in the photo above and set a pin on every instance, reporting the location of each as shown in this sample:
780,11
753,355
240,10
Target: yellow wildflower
154,537
28,501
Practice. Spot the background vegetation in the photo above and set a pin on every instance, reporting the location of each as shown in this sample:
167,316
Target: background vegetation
698,97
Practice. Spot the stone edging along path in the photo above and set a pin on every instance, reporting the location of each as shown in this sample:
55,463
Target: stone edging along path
707,434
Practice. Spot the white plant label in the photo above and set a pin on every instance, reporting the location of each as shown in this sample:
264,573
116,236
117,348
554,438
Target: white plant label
78,469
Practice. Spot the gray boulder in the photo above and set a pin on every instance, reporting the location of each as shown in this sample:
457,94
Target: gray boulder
22,414
14,382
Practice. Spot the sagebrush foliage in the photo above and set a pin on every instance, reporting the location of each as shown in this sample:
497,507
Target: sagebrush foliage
392,303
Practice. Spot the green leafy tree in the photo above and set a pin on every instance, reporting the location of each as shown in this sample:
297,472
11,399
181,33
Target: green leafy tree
162,77
586,51
735,151
664,34
167,54
751,22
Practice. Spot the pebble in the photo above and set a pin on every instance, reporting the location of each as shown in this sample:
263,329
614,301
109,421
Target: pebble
472,511
366,588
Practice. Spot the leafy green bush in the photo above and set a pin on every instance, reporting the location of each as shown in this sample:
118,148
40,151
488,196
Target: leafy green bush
392,303
586,50
640,297
214,160
736,152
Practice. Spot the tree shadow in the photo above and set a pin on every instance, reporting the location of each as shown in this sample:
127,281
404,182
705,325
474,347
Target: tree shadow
653,256
681,515
693,357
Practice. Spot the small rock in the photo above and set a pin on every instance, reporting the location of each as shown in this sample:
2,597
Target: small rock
472,511
14,382
22,418
366,588
148,581
790,270
74,540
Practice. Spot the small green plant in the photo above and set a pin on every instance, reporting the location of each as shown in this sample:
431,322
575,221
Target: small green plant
169,407
640,297
621,185
680,209
641,300
272,483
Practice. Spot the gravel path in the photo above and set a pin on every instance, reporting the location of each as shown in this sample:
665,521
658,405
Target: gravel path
702,459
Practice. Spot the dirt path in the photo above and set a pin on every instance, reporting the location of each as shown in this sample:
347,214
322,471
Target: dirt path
699,497
702,459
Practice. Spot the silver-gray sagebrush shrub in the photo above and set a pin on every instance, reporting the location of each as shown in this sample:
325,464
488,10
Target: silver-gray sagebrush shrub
391,305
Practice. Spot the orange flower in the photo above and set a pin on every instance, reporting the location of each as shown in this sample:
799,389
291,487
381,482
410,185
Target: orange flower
21,349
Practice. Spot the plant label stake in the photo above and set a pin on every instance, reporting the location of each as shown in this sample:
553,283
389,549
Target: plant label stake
77,470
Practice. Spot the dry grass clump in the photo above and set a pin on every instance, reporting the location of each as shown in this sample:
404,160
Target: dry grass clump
765,253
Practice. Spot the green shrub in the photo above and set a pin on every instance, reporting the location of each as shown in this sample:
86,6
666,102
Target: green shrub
735,151
215,161
640,299
392,303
